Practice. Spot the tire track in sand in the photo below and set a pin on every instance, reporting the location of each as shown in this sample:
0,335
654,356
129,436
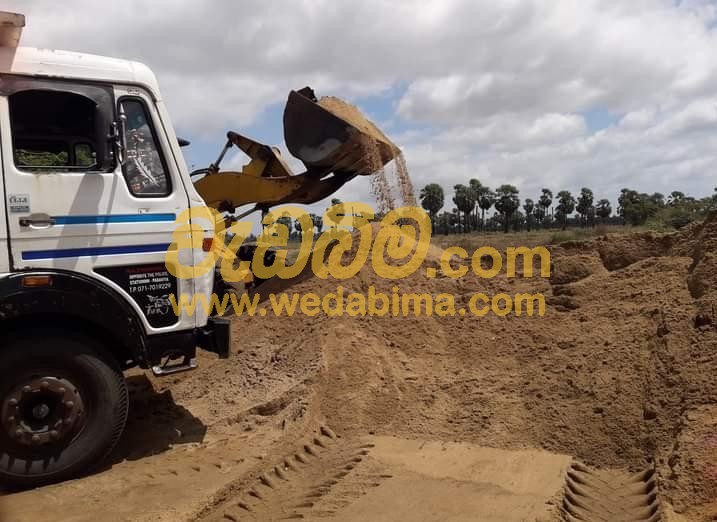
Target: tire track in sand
315,481
610,496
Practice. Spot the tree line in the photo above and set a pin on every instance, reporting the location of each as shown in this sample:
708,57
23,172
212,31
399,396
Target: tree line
474,201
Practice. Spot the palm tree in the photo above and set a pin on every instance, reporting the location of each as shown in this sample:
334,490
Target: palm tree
566,206
464,202
585,203
529,207
432,199
546,199
486,199
475,188
507,202
603,209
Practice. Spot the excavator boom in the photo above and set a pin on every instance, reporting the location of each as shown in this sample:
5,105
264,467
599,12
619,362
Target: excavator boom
331,138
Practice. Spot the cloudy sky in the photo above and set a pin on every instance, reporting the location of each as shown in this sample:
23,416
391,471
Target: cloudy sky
554,93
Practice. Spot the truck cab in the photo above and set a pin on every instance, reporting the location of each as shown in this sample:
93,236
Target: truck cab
93,183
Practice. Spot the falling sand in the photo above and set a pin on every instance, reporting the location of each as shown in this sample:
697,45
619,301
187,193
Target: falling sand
405,184
389,191
380,187
389,187
379,150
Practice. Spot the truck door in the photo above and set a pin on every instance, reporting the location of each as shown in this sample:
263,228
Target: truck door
72,206
4,245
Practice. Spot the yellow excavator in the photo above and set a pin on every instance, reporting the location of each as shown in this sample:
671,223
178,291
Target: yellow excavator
334,148
334,141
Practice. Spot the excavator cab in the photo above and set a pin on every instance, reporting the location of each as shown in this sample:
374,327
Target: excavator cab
334,141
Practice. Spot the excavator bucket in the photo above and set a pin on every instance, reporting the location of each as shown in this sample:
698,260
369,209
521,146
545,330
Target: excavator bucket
333,140
331,135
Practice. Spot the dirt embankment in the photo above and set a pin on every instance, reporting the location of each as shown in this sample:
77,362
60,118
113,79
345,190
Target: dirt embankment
619,374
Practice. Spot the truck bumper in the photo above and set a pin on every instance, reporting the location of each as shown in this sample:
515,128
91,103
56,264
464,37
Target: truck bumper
176,352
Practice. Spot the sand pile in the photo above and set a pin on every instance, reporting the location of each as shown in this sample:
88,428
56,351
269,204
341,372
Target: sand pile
618,374
702,280
697,241
355,117
621,251
609,376
573,268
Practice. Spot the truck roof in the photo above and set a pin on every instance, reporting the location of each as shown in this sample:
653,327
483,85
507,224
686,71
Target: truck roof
31,61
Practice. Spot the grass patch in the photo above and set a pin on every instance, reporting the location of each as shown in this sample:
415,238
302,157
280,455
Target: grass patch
576,234
500,241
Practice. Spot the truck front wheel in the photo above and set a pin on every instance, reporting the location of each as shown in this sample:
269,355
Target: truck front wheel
63,407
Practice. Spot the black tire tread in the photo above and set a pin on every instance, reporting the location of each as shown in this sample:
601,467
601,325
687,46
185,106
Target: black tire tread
13,349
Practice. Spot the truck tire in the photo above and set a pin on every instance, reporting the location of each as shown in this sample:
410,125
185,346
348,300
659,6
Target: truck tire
63,407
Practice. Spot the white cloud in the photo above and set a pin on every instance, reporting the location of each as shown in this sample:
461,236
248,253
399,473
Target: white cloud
499,90
654,153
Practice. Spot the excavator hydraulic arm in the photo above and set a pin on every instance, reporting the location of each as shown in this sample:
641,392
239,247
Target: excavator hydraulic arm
333,147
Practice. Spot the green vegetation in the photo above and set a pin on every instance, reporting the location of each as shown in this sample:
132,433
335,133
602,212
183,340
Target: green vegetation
474,201
31,158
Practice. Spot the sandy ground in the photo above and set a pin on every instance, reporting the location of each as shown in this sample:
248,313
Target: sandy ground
433,418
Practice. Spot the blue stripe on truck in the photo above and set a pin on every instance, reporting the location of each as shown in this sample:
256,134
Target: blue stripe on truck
95,251
114,218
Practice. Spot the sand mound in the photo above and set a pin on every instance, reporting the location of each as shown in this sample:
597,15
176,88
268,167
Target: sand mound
703,276
621,251
702,280
619,376
608,376
570,269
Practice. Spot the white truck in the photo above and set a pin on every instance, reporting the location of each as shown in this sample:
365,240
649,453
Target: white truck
93,180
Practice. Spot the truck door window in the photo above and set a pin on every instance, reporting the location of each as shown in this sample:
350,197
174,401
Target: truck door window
46,127
144,169
84,155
